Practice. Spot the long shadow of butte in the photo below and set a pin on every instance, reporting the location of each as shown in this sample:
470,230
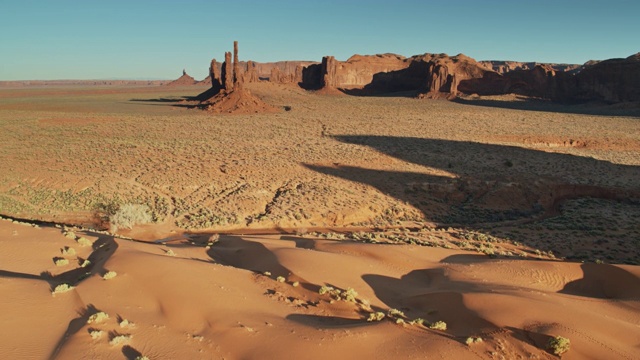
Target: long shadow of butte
489,183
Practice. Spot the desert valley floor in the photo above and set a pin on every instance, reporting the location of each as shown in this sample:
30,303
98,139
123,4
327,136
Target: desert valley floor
279,235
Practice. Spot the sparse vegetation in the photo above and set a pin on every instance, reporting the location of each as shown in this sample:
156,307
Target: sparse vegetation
109,275
558,345
473,340
120,339
336,294
62,288
376,316
98,318
395,313
438,325
95,334
280,279
84,242
60,261
129,215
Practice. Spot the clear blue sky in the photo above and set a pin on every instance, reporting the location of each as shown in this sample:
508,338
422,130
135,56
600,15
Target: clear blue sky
65,39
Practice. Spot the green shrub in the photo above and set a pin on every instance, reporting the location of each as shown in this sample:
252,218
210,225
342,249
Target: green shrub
376,316
473,340
558,345
438,325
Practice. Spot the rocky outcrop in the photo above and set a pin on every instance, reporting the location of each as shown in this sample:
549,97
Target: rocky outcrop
250,75
184,80
329,70
227,72
215,75
231,97
237,76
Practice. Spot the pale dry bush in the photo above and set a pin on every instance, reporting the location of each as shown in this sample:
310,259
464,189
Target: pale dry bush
129,215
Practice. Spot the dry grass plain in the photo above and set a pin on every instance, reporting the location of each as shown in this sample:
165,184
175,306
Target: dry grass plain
459,212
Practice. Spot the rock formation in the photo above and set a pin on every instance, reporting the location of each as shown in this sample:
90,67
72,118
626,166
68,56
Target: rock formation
250,75
184,80
229,95
214,74
443,76
227,72
237,77
503,67
328,70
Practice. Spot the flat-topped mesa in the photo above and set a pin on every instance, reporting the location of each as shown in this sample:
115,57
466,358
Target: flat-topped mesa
227,72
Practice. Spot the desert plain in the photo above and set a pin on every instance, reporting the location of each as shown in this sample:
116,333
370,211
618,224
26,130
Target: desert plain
335,226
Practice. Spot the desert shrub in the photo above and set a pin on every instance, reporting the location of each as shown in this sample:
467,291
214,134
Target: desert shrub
129,215
295,284
280,279
473,340
70,235
349,295
60,261
418,321
84,262
125,323
95,334
62,288
109,275
376,316
438,325
68,251
395,312
83,241
141,357
119,339
558,345
170,252
97,317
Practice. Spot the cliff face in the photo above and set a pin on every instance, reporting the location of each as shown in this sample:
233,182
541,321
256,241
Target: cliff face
503,67
613,81
440,75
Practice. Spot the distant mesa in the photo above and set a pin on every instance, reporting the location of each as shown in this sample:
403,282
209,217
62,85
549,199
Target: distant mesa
444,76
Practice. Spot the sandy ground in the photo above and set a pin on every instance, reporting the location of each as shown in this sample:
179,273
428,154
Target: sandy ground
509,220
185,299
